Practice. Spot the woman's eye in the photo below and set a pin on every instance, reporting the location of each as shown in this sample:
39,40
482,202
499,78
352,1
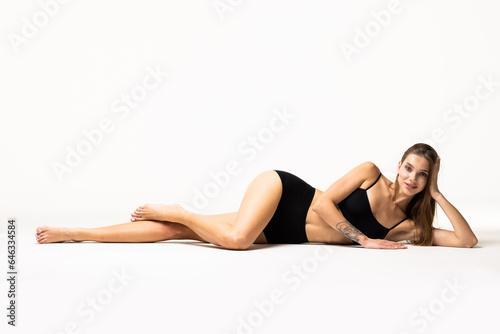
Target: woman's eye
423,174
408,168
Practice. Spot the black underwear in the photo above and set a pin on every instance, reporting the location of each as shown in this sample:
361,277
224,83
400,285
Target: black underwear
288,224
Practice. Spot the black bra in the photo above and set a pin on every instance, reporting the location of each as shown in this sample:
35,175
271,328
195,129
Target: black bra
356,209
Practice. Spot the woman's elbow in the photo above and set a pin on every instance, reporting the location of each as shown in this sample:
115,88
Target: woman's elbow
471,243
317,206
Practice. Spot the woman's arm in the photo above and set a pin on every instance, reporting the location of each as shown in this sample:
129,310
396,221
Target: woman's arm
462,235
325,205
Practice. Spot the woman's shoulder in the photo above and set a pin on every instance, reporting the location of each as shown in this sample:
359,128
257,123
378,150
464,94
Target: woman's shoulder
362,175
371,172
369,166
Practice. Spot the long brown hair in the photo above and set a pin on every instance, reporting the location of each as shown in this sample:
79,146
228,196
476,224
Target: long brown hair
422,207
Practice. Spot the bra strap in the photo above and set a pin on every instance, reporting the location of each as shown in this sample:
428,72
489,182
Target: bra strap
398,223
375,181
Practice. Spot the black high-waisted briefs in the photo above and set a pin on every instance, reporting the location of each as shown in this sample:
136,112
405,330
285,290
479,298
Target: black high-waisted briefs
288,224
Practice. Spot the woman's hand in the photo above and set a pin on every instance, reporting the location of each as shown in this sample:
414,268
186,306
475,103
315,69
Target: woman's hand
382,244
433,187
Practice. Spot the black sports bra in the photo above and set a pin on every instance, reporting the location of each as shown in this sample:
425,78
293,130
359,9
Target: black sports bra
356,209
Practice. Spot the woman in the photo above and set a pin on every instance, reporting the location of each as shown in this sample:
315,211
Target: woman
362,207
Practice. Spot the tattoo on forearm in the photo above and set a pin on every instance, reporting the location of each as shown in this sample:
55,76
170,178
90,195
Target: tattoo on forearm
349,230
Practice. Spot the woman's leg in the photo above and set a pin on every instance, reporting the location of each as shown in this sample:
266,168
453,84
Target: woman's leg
256,210
145,231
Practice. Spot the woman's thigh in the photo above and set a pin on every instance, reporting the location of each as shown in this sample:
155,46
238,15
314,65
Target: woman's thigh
258,206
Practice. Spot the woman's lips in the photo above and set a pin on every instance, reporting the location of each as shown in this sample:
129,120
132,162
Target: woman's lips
409,186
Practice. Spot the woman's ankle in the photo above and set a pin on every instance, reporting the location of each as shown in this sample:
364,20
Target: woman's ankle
78,234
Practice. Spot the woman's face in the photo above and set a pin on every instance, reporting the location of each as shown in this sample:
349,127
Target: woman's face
413,174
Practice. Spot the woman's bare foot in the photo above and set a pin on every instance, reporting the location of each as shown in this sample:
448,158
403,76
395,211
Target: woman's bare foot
162,212
47,234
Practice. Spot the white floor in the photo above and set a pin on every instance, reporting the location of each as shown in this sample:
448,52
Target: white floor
191,287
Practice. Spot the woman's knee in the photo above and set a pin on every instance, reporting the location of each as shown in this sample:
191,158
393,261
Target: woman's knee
236,240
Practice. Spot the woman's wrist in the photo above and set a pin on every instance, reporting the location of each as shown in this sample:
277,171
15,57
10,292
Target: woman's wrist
436,195
362,239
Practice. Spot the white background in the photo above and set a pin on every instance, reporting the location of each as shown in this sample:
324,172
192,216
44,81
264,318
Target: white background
228,73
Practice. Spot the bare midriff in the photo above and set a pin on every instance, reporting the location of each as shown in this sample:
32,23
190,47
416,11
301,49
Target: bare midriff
317,230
